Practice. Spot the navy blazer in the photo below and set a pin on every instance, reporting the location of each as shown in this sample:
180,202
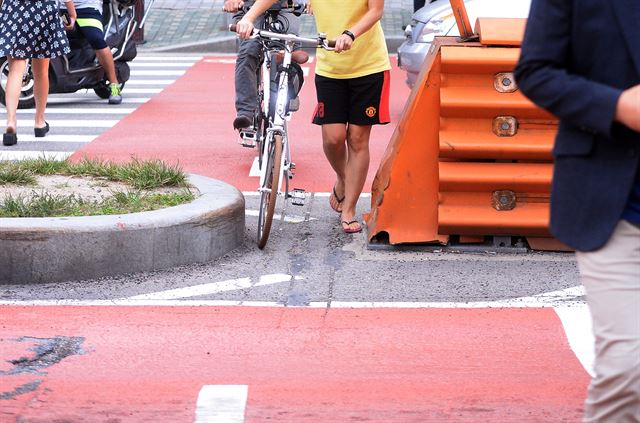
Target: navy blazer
577,57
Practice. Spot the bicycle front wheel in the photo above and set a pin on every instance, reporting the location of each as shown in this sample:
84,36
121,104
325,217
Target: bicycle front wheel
269,192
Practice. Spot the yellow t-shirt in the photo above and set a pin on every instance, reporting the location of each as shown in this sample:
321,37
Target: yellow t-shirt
368,53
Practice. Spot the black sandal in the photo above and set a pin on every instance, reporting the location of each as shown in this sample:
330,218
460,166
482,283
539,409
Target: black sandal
338,200
9,138
348,230
41,132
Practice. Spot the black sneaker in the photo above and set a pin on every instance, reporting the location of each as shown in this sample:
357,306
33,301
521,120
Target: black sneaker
241,122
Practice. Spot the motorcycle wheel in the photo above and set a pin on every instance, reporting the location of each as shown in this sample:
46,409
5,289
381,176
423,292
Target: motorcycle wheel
104,91
27,99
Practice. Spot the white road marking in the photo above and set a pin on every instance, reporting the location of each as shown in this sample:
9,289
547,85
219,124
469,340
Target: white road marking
156,73
147,82
70,123
223,61
145,58
221,404
212,288
79,111
315,304
58,138
95,100
159,64
305,70
22,155
576,321
276,216
140,91
255,168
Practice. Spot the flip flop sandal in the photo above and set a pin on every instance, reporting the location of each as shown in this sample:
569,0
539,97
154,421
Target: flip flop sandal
338,199
348,230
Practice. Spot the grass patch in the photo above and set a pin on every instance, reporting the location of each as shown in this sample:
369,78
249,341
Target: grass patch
139,175
11,174
44,204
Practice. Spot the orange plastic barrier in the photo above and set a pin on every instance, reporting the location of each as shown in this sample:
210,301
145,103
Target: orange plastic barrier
471,156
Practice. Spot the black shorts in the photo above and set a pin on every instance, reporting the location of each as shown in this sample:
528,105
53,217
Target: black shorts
89,23
360,101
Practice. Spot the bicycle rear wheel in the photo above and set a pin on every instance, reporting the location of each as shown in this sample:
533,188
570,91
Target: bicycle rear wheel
269,193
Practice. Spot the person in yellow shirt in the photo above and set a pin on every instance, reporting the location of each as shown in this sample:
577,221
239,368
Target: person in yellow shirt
352,85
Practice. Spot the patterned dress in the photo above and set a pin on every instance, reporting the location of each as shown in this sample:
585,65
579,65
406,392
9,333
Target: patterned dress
32,29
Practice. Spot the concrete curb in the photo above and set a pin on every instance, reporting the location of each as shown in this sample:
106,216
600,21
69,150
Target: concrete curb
40,250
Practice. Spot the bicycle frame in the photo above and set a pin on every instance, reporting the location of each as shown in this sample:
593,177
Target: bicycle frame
275,157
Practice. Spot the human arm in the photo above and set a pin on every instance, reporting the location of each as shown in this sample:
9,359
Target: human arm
245,26
73,16
232,6
375,9
547,69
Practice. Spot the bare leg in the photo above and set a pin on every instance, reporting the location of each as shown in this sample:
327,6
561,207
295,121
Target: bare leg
356,171
12,92
334,138
40,69
105,57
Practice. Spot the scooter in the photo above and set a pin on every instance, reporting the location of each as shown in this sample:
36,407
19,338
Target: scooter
80,69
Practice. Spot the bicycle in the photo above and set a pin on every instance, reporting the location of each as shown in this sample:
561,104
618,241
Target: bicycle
274,154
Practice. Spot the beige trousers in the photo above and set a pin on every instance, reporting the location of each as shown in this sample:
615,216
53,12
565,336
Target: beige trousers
611,277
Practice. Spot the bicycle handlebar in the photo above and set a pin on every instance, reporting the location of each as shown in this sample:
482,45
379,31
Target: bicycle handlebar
321,41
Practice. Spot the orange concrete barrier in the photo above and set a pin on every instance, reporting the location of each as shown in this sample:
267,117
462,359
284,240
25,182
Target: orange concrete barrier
471,156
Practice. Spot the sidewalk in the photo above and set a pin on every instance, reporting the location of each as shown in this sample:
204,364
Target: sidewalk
201,26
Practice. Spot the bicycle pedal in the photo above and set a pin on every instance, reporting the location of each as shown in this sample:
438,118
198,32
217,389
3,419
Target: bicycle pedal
298,196
248,138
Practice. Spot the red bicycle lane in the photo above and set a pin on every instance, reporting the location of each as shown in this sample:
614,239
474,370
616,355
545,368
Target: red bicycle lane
314,365
189,123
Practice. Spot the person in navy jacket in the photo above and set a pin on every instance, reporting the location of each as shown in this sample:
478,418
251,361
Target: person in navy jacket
580,60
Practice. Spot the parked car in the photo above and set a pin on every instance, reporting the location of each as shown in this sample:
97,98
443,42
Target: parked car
437,19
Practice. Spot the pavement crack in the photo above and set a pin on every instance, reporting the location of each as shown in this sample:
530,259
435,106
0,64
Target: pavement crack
48,351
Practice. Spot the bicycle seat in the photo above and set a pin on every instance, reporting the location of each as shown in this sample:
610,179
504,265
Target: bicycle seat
299,56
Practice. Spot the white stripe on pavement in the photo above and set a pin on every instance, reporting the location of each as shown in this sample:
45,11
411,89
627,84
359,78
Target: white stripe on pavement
71,123
79,111
576,320
140,91
144,58
95,100
221,404
159,64
212,288
148,82
276,216
22,155
157,72
58,138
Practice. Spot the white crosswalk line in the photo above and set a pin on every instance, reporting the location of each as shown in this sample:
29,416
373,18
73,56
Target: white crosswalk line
148,82
140,91
57,138
77,111
72,123
145,58
74,100
185,64
135,72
